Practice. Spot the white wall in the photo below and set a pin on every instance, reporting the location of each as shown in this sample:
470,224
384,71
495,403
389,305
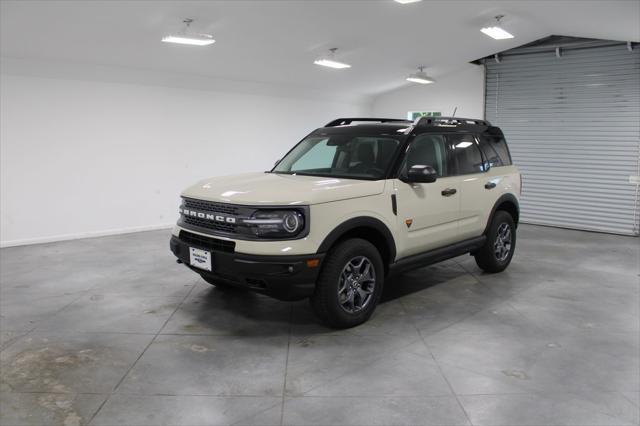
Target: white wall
85,157
82,158
464,90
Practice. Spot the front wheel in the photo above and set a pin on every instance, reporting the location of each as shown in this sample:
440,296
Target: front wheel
349,285
497,251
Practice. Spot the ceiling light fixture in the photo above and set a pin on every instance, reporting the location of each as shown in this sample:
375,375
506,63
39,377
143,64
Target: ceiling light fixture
186,36
421,77
497,32
407,1
330,61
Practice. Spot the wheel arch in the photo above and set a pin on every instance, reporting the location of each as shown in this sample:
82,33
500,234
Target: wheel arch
367,228
508,203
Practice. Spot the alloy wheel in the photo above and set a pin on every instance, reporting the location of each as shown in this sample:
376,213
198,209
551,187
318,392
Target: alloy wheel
356,285
502,244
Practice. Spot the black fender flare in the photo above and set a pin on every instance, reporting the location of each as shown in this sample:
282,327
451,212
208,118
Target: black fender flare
360,222
508,198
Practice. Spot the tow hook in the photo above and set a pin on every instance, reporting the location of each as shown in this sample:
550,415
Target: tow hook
178,261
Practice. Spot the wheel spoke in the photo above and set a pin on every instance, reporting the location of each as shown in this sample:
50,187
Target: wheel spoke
502,243
367,270
358,266
348,301
356,284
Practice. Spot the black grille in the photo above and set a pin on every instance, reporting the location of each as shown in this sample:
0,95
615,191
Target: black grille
208,224
212,244
210,206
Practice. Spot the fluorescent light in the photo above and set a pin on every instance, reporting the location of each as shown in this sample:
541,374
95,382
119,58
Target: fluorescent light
421,77
407,1
420,80
331,63
199,40
188,36
496,33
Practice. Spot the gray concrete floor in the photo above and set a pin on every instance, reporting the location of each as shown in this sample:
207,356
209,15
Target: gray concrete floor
111,331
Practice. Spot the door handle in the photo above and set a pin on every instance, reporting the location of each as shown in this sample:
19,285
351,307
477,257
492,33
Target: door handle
448,192
489,185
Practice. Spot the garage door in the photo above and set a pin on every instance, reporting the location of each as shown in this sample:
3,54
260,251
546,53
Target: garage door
572,120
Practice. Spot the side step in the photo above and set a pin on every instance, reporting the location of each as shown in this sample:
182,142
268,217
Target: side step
437,255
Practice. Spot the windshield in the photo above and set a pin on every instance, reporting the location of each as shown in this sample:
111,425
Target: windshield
347,156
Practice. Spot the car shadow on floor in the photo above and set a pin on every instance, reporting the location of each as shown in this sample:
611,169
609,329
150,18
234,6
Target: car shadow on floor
399,285
240,311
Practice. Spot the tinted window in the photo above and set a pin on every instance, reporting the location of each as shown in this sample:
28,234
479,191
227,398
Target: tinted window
495,150
500,145
357,157
429,150
467,154
491,157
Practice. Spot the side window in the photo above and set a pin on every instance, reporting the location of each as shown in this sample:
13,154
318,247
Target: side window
319,157
466,154
500,146
430,150
491,156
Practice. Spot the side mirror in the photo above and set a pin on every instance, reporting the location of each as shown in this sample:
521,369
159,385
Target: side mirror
420,173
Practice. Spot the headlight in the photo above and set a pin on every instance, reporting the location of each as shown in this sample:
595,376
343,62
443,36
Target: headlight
276,223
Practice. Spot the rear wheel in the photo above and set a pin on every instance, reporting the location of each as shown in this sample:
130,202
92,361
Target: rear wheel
349,285
497,251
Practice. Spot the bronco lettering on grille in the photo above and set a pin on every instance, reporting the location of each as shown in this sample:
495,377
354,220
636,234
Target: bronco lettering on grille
207,216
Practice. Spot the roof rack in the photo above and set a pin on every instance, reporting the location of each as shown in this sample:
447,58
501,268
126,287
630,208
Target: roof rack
347,121
450,121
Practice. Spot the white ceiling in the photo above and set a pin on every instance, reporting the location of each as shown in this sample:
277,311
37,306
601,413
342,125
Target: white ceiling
275,42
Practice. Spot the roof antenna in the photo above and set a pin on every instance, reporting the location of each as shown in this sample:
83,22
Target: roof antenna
454,112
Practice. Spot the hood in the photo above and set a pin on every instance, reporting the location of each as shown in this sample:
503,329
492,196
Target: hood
280,189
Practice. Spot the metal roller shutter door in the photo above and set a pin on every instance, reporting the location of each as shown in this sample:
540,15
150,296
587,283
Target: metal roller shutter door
573,128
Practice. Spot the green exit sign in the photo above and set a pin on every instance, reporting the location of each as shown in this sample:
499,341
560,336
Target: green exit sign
412,115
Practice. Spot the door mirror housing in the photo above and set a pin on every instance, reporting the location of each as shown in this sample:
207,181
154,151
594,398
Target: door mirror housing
420,173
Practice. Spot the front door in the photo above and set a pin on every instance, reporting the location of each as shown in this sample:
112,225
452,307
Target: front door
428,213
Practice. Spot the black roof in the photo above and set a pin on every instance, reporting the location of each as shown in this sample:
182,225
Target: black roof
371,129
391,126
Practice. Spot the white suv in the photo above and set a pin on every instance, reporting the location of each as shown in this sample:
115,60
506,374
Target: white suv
350,203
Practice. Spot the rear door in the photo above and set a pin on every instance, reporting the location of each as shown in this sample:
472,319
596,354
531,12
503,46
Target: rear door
428,213
477,187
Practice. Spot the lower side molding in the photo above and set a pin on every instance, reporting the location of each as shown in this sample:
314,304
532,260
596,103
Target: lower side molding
437,255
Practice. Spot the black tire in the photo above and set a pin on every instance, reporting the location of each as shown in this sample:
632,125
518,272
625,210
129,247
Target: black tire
221,285
342,258
487,258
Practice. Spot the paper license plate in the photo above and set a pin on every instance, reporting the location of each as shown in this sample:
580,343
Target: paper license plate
200,258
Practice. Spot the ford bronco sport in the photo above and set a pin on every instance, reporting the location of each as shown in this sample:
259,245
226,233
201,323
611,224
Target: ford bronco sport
350,203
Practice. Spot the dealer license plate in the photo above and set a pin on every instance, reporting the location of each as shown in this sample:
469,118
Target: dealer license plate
200,258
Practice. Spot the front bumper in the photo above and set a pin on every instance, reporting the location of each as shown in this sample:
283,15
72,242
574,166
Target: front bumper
282,277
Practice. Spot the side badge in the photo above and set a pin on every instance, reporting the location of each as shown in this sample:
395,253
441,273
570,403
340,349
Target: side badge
408,222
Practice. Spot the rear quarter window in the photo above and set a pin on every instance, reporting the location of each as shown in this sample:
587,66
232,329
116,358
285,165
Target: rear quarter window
495,150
